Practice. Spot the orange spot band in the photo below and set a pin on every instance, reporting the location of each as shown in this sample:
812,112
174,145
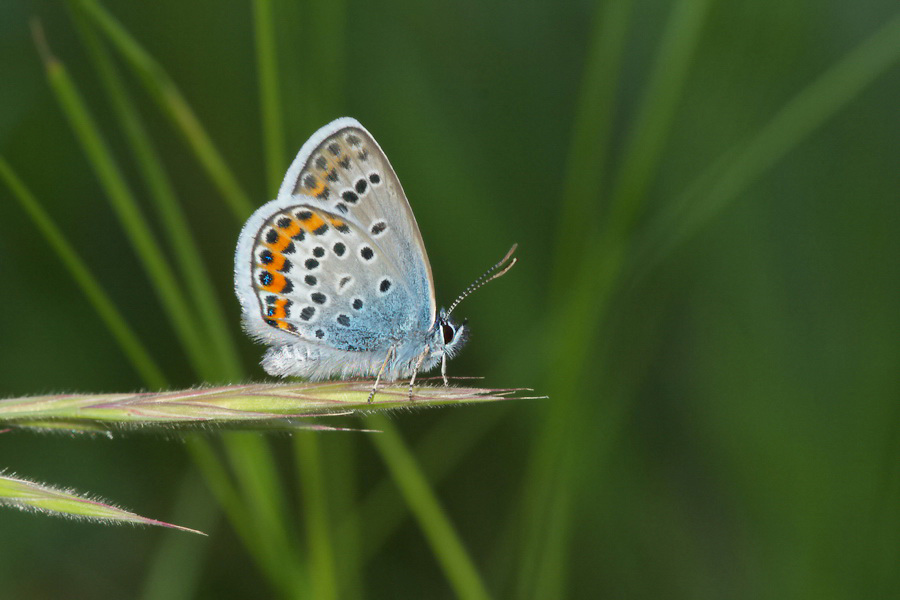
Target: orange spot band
280,244
276,264
276,283
320,187
312,223
292,229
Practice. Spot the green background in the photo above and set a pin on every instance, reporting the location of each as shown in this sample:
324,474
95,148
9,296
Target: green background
708,292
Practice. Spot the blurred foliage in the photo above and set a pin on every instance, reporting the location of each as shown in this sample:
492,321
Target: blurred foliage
705,195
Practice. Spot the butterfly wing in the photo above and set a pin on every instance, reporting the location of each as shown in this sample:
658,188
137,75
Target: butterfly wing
333,272
345,170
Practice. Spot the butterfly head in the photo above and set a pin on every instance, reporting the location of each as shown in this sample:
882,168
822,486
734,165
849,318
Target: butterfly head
449,336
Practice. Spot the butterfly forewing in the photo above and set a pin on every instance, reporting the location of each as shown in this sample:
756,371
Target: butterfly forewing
347,174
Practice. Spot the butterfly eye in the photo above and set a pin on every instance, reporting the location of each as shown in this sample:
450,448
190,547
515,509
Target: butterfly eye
448,332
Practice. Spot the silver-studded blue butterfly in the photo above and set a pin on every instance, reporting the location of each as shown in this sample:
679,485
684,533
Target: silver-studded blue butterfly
333,273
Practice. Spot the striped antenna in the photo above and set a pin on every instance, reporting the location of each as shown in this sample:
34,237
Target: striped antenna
498,270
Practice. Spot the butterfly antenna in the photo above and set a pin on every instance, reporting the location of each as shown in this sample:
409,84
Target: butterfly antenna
498,270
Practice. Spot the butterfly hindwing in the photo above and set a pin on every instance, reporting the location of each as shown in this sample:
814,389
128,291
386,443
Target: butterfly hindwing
326,281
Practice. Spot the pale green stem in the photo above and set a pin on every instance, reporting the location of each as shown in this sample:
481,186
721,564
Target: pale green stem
269,97
439,451
280,557
315,507
433,520
239,514
254,467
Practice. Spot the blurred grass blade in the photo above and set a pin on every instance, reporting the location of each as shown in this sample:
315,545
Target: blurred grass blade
323,35
118,327
250,458
264,498
27,495
193,272
445,542
441,449
215,476
791,124
232,404
241,516
173,104
799,118
314,494
318,523
175,571
253,464
654,119
123,202
591,134
269,97
542,566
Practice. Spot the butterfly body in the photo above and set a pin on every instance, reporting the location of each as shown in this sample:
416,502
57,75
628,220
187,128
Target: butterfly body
333,274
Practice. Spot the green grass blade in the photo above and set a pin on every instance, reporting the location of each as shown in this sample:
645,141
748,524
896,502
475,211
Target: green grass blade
435,524
544,548
441,449
216,477
259,477
309,460
324,29
591,134
187,255
315,507
126,208
645,145
256,473
30,496
269,97
173,104
214,474
176,569
810,109
239,514
799,118
135,352
341,469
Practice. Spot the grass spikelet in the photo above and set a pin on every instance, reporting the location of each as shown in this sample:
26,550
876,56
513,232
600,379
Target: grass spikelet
30,496
232,405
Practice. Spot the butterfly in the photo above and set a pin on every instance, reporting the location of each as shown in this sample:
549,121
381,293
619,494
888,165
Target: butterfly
333,274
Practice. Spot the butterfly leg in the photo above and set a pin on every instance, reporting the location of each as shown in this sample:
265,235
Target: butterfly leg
412,380
444,370
380,373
